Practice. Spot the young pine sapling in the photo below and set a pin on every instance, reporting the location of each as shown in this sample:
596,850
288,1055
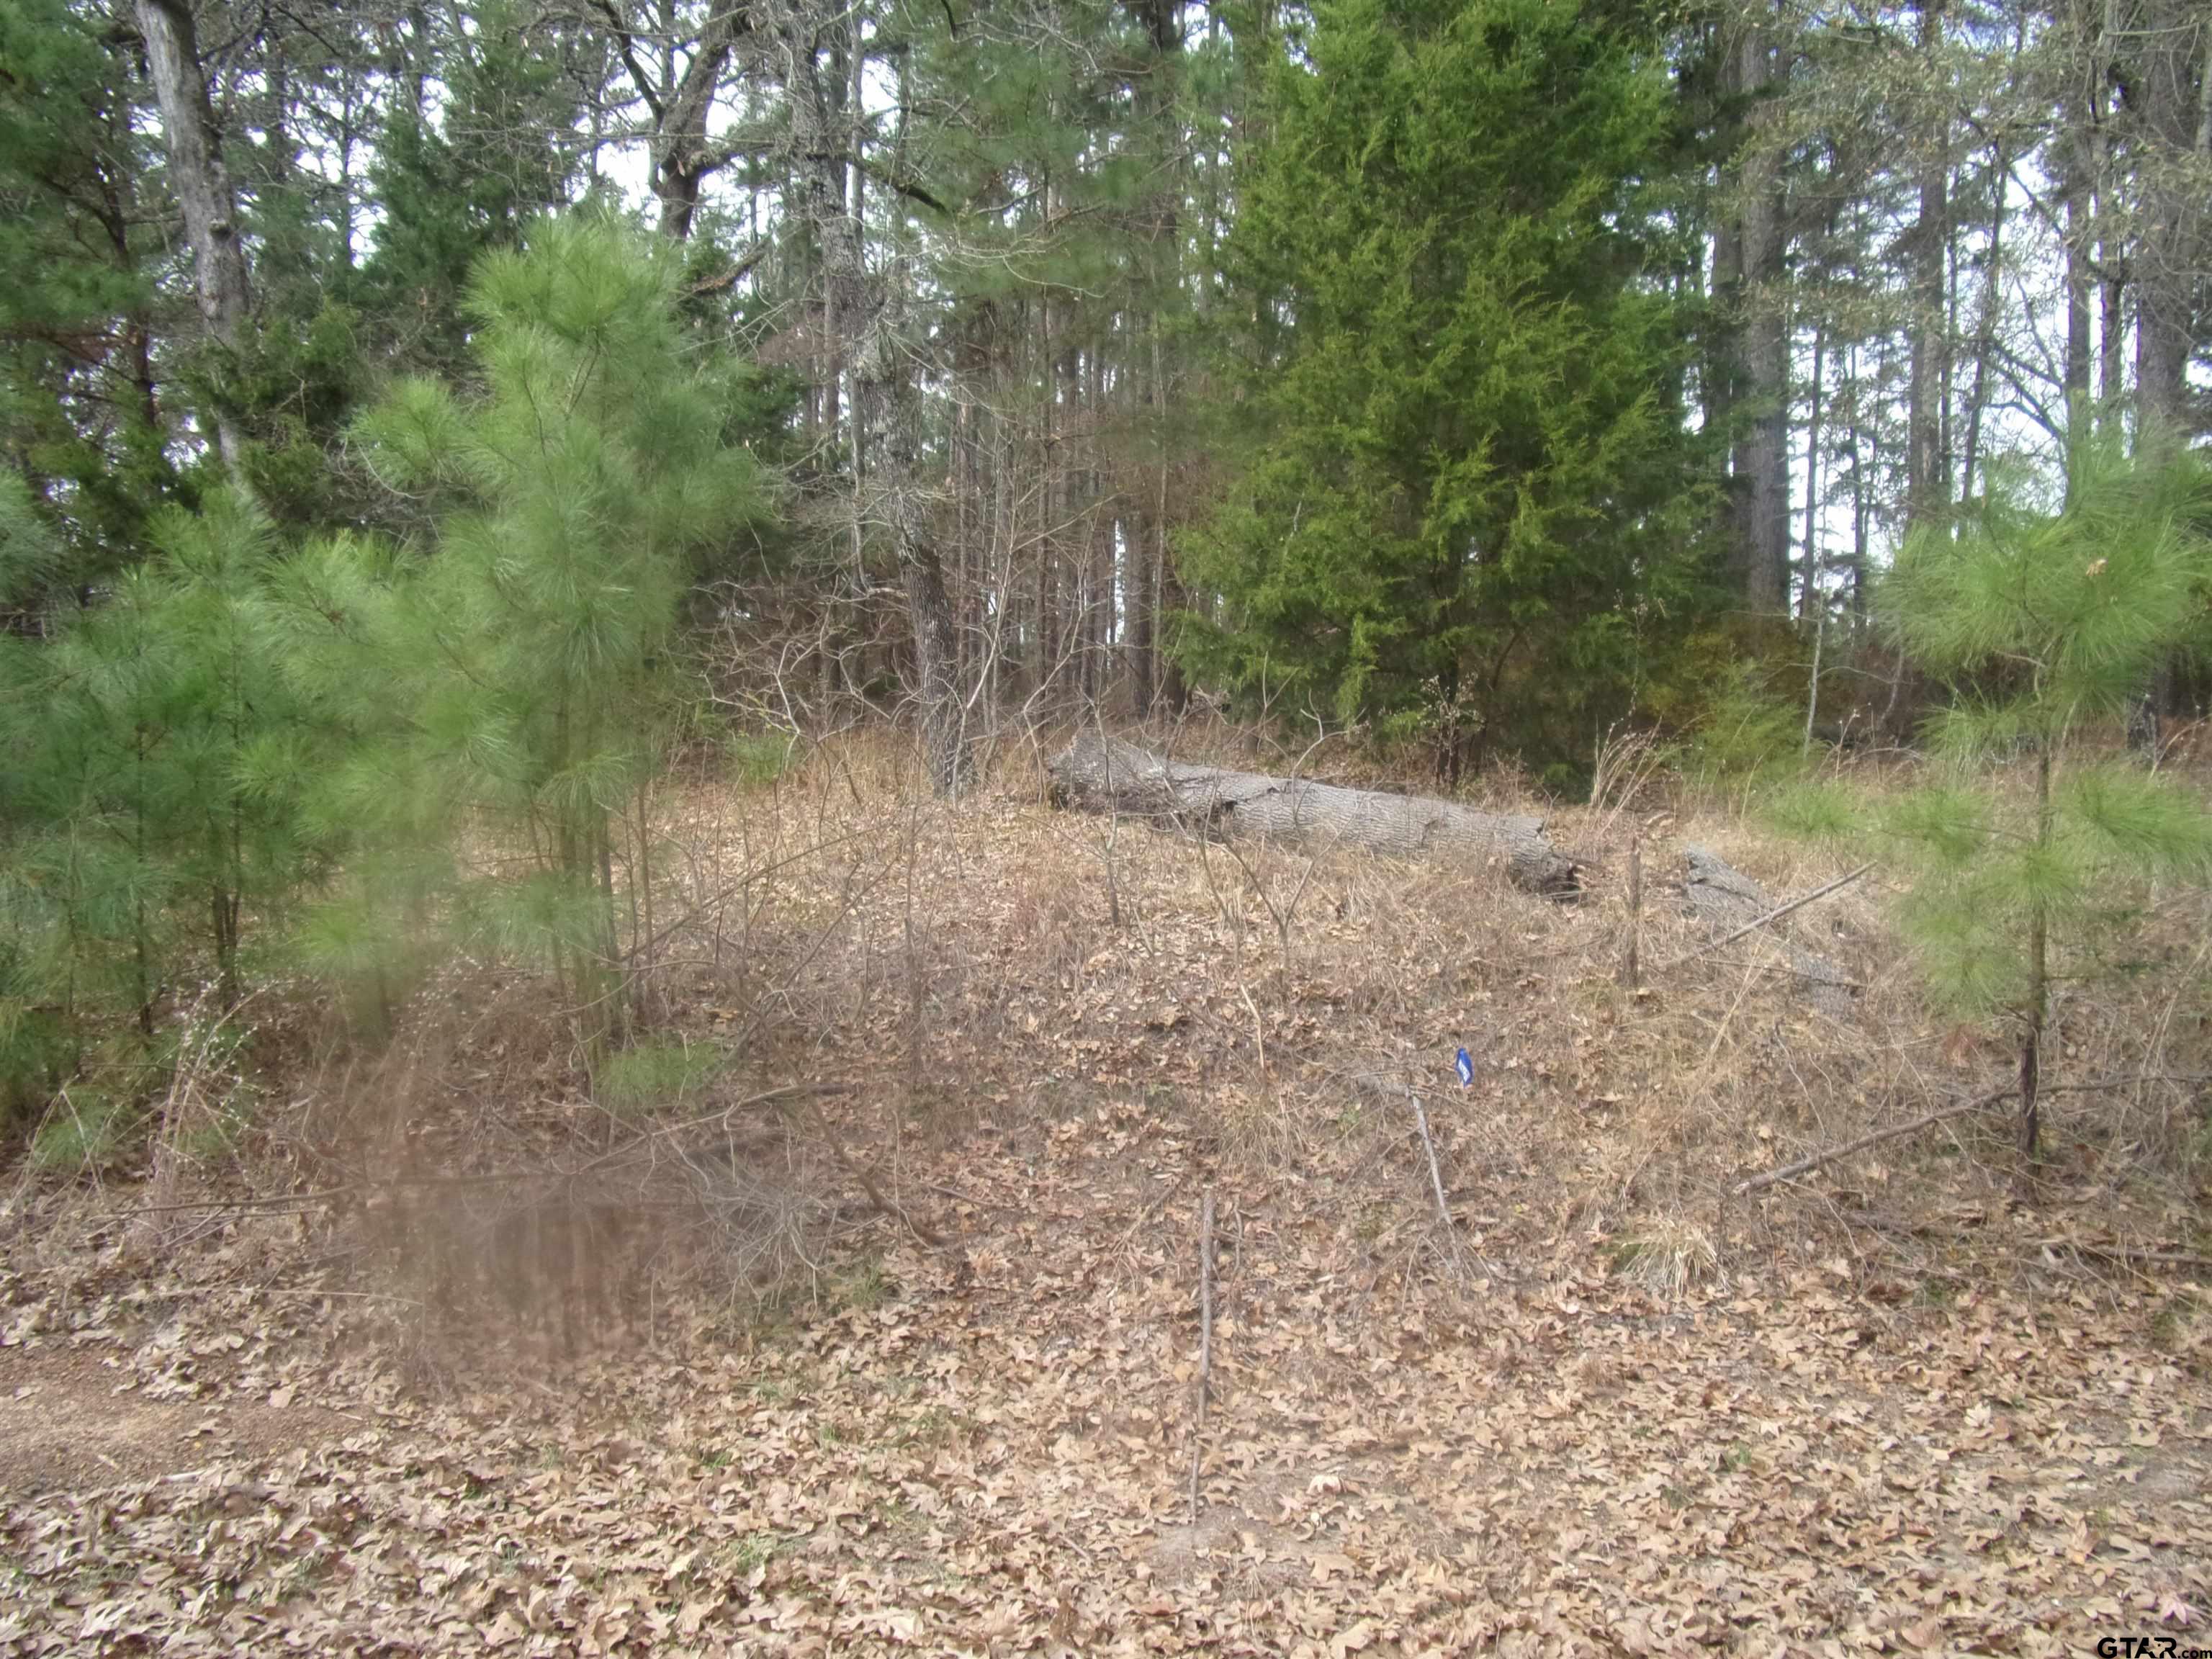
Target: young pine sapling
2046,626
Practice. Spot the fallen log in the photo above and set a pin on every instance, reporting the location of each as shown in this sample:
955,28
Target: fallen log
1731,904
1101,775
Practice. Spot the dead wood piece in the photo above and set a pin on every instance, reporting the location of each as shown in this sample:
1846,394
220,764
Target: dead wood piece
1957,1109
1762,920
1205,1345
2179,1258
1724,899
1806,1165
1099,774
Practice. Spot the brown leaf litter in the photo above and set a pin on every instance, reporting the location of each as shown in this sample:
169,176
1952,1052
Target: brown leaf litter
1841,1437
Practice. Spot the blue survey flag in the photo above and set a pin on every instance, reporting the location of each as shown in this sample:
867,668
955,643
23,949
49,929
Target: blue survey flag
1465,1067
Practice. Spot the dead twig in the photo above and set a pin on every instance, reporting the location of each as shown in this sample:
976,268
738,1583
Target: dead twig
2180,1258
1957,1108
1453,1248
1630,967
1761,920
884,1205
1805,1165
1205,1343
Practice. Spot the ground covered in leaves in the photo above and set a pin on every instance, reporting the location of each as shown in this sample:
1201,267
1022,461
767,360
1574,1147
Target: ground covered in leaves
1902,1406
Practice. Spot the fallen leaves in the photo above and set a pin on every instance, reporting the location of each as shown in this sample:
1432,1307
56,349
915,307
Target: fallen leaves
987,1452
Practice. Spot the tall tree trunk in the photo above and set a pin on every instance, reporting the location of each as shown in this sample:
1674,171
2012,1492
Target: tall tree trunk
1986,330
1162,280
2078,280
1928,465
1168,596
202,184
883,414
1862,505
1812,602
2171,95
2111,248
1760,335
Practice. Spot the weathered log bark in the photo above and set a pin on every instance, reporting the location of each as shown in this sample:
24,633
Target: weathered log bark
1723,898
1100,775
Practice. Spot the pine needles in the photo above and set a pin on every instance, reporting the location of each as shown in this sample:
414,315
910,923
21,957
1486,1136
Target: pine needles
345,748
2046,625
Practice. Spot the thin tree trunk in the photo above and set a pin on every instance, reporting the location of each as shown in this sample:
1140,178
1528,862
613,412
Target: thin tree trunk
2111,251
1811,599
1862,520
2078,341
1761,366
1928,469
1167,592
202,185
2038,969
1985,331
943,718
2175,125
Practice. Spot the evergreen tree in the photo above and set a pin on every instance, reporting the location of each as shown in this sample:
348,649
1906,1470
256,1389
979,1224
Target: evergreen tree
2047,625
79,420
511,669
30,550
1470,488
465,175
154,767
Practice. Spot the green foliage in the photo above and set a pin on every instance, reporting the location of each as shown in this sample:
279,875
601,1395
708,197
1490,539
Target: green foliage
86,1131
153,759
77,415
294,386
1747,737
758,758
510,669
2046,625
495,156
654,1075
36,1053
389,738
1469,464
30,550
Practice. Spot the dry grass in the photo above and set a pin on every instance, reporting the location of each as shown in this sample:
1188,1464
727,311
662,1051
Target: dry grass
997,953
925,972
1042,1037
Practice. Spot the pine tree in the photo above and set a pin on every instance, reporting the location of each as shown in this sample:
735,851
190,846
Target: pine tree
79,418
1470,491
522,648
466,174
151,783
2047,626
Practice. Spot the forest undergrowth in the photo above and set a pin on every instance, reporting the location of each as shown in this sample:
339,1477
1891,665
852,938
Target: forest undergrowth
856,1301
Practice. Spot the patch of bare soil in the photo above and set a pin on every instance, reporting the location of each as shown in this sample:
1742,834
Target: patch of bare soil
73,1420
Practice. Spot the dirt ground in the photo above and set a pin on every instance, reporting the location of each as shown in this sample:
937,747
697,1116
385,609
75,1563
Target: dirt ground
987,1448
72,1421
1902,1407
